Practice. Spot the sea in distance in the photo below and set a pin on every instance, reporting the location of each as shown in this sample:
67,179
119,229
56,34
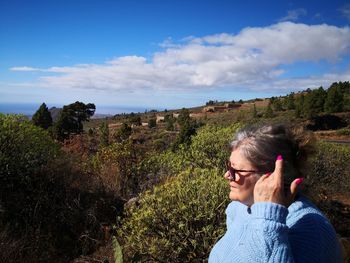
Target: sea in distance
29,109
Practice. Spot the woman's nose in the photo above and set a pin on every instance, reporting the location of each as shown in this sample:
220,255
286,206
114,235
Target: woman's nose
227,175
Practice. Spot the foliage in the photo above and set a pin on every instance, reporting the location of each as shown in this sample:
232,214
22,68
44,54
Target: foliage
187,129
331,169
104,134
335,100
134,119
123,133
314,102
169,122
326,122
328,183
71,119
209,149
24,149
50,209
269,112
290,101
277,104
345,131
118,253
176,222
254,112
117,165
299,106
152,123
42,117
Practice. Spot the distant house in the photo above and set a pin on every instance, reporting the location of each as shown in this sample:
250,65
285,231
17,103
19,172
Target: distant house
226,106
159,119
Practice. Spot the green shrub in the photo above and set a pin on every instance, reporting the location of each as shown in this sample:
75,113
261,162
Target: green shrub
24,149
50,210
179,221
330,169
209,149
344,131
328,184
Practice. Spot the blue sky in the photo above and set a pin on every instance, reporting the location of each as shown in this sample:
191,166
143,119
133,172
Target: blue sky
168,54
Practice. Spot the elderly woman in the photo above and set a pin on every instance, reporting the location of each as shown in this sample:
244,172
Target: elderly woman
268,220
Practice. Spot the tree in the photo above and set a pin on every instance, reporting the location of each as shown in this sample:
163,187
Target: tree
335,100
42,117
104,134
123,133
314,102
269,111
169,122
135,119
152,122
187,129
254,112
290,101
277,104
299,106
71,119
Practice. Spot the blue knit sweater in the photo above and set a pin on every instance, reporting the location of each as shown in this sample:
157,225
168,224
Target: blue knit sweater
269,232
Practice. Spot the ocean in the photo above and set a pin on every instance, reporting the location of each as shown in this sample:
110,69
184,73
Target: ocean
29,109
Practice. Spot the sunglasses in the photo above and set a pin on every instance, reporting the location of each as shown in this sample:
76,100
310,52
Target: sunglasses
232,171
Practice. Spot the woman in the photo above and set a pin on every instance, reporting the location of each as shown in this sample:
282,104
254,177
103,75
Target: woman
267,220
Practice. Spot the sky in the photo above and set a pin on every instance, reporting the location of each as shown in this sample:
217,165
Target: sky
161,54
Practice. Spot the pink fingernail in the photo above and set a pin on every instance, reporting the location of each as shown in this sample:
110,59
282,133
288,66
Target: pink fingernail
279,157
299,181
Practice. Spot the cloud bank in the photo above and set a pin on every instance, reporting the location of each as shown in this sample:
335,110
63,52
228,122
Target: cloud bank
251,59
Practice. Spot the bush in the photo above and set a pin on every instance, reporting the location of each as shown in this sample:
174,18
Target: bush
328,184
209,149
117,166
24,149
344,131
176,222
331,169
50,210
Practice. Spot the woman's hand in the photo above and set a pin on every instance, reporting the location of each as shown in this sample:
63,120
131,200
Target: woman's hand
270,187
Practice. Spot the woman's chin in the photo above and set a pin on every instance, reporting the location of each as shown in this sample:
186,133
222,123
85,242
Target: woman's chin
233,196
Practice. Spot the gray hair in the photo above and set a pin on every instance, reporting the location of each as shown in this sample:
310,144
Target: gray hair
262,144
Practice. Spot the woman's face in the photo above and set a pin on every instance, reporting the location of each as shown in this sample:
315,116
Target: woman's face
242,189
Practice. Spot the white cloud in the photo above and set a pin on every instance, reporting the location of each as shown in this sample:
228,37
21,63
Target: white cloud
294,15
250,59
24,69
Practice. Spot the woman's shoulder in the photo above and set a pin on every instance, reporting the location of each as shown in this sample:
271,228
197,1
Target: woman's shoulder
304,213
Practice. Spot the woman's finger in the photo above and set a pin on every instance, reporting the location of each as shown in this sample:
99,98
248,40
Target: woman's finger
278,173
294,187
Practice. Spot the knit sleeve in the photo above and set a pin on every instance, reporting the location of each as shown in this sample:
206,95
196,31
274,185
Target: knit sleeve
310,239
270,233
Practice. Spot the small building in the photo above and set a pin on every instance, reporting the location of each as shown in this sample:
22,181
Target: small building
226,106
159,119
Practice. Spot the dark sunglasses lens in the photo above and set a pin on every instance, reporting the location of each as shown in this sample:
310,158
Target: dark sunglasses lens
231,170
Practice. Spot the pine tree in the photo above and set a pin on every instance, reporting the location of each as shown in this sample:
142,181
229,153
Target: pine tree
335,100
42,117
254,112
269,111
104,134
290,101
152,122
123,133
